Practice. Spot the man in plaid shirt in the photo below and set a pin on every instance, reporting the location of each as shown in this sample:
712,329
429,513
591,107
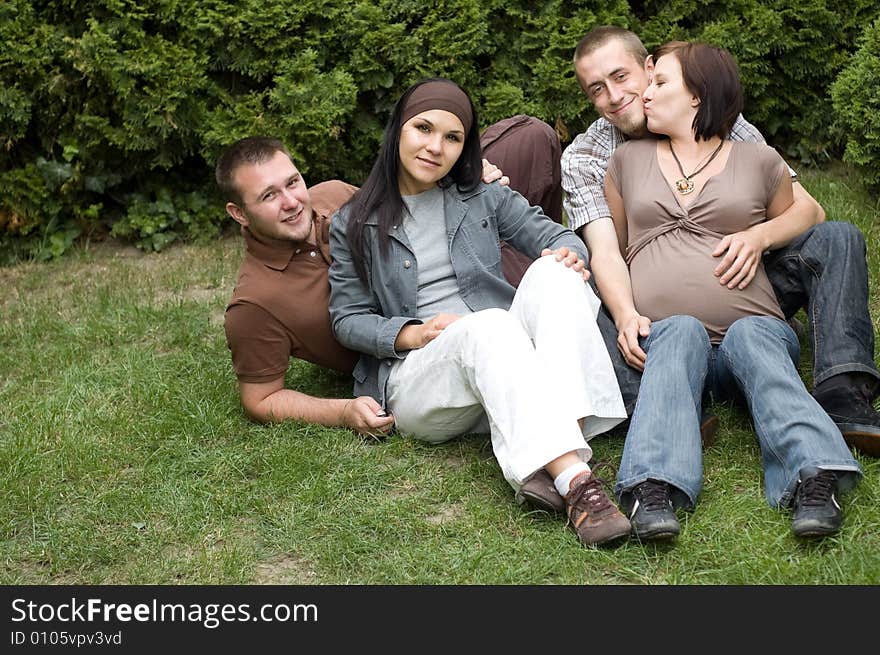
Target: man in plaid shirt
823,270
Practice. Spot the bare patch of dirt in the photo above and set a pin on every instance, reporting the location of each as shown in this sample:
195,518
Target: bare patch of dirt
285,569
115,248
201,293
456,462
401,489
448,514
218,317
198,294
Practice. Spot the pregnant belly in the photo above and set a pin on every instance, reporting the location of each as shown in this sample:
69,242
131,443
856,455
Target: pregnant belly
671,281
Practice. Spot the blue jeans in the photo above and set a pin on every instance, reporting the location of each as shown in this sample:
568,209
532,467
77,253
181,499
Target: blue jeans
823,270
756,358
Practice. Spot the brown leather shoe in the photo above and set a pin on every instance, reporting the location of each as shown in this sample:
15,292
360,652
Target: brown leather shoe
540,492
592,514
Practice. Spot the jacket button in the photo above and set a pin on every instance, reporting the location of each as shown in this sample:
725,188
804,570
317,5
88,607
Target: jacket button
406,308
407,263
485,223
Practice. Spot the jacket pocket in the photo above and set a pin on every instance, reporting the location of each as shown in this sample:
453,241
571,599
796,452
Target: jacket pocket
361,370
480,239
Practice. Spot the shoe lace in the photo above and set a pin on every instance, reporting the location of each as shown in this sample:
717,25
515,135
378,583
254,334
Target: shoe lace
816,491
590,497
653,495
606,468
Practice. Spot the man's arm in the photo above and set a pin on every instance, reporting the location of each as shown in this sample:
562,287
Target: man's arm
807,203
583,167
805,206
261,347
270,402
612,279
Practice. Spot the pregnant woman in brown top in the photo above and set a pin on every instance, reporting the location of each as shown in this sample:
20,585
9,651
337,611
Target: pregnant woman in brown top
677,203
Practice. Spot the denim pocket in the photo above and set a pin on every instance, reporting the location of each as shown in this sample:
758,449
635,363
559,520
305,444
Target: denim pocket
361,370
480,238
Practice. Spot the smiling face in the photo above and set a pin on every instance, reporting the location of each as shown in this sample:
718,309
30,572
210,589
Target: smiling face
669,106
614,80
430,144
275,201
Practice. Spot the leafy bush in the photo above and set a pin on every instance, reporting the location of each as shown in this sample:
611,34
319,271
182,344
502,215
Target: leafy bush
856,95
112,112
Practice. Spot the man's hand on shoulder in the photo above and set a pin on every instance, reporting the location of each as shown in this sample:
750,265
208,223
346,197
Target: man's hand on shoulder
491,173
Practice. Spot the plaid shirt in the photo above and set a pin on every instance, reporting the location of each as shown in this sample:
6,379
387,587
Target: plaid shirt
585,161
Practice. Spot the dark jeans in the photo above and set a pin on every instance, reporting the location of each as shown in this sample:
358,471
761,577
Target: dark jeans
823,270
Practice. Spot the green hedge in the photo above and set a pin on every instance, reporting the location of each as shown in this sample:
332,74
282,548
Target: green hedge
112,113
856,95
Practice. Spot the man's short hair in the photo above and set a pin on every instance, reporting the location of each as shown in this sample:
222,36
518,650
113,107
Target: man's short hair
599,36
711,74
250,150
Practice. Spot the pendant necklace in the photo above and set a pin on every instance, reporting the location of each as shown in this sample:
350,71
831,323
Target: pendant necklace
685,185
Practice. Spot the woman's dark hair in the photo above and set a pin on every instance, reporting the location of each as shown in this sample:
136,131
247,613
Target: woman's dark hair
380,193
712,75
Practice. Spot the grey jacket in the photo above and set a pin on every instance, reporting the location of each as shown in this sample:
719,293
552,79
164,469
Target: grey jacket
368,318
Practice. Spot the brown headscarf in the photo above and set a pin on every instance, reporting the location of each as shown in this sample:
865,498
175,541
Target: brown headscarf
439,94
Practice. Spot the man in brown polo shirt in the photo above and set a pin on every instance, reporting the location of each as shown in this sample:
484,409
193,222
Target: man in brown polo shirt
279,307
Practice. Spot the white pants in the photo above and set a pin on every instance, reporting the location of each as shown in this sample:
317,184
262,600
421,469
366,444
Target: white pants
525,375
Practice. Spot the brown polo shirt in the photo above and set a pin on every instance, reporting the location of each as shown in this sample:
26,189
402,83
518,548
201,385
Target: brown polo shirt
279,306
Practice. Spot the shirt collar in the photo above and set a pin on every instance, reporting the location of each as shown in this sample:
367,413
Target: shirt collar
277,256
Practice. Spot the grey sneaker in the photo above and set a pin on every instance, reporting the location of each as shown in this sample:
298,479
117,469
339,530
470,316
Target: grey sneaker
652,514
816,512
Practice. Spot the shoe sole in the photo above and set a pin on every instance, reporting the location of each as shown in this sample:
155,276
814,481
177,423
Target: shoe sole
815,532
660,535
540,503
612,538
856,436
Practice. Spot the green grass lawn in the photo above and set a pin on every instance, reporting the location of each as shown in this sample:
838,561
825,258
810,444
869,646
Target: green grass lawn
125,458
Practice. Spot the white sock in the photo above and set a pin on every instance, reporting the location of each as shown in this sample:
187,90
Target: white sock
563,480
